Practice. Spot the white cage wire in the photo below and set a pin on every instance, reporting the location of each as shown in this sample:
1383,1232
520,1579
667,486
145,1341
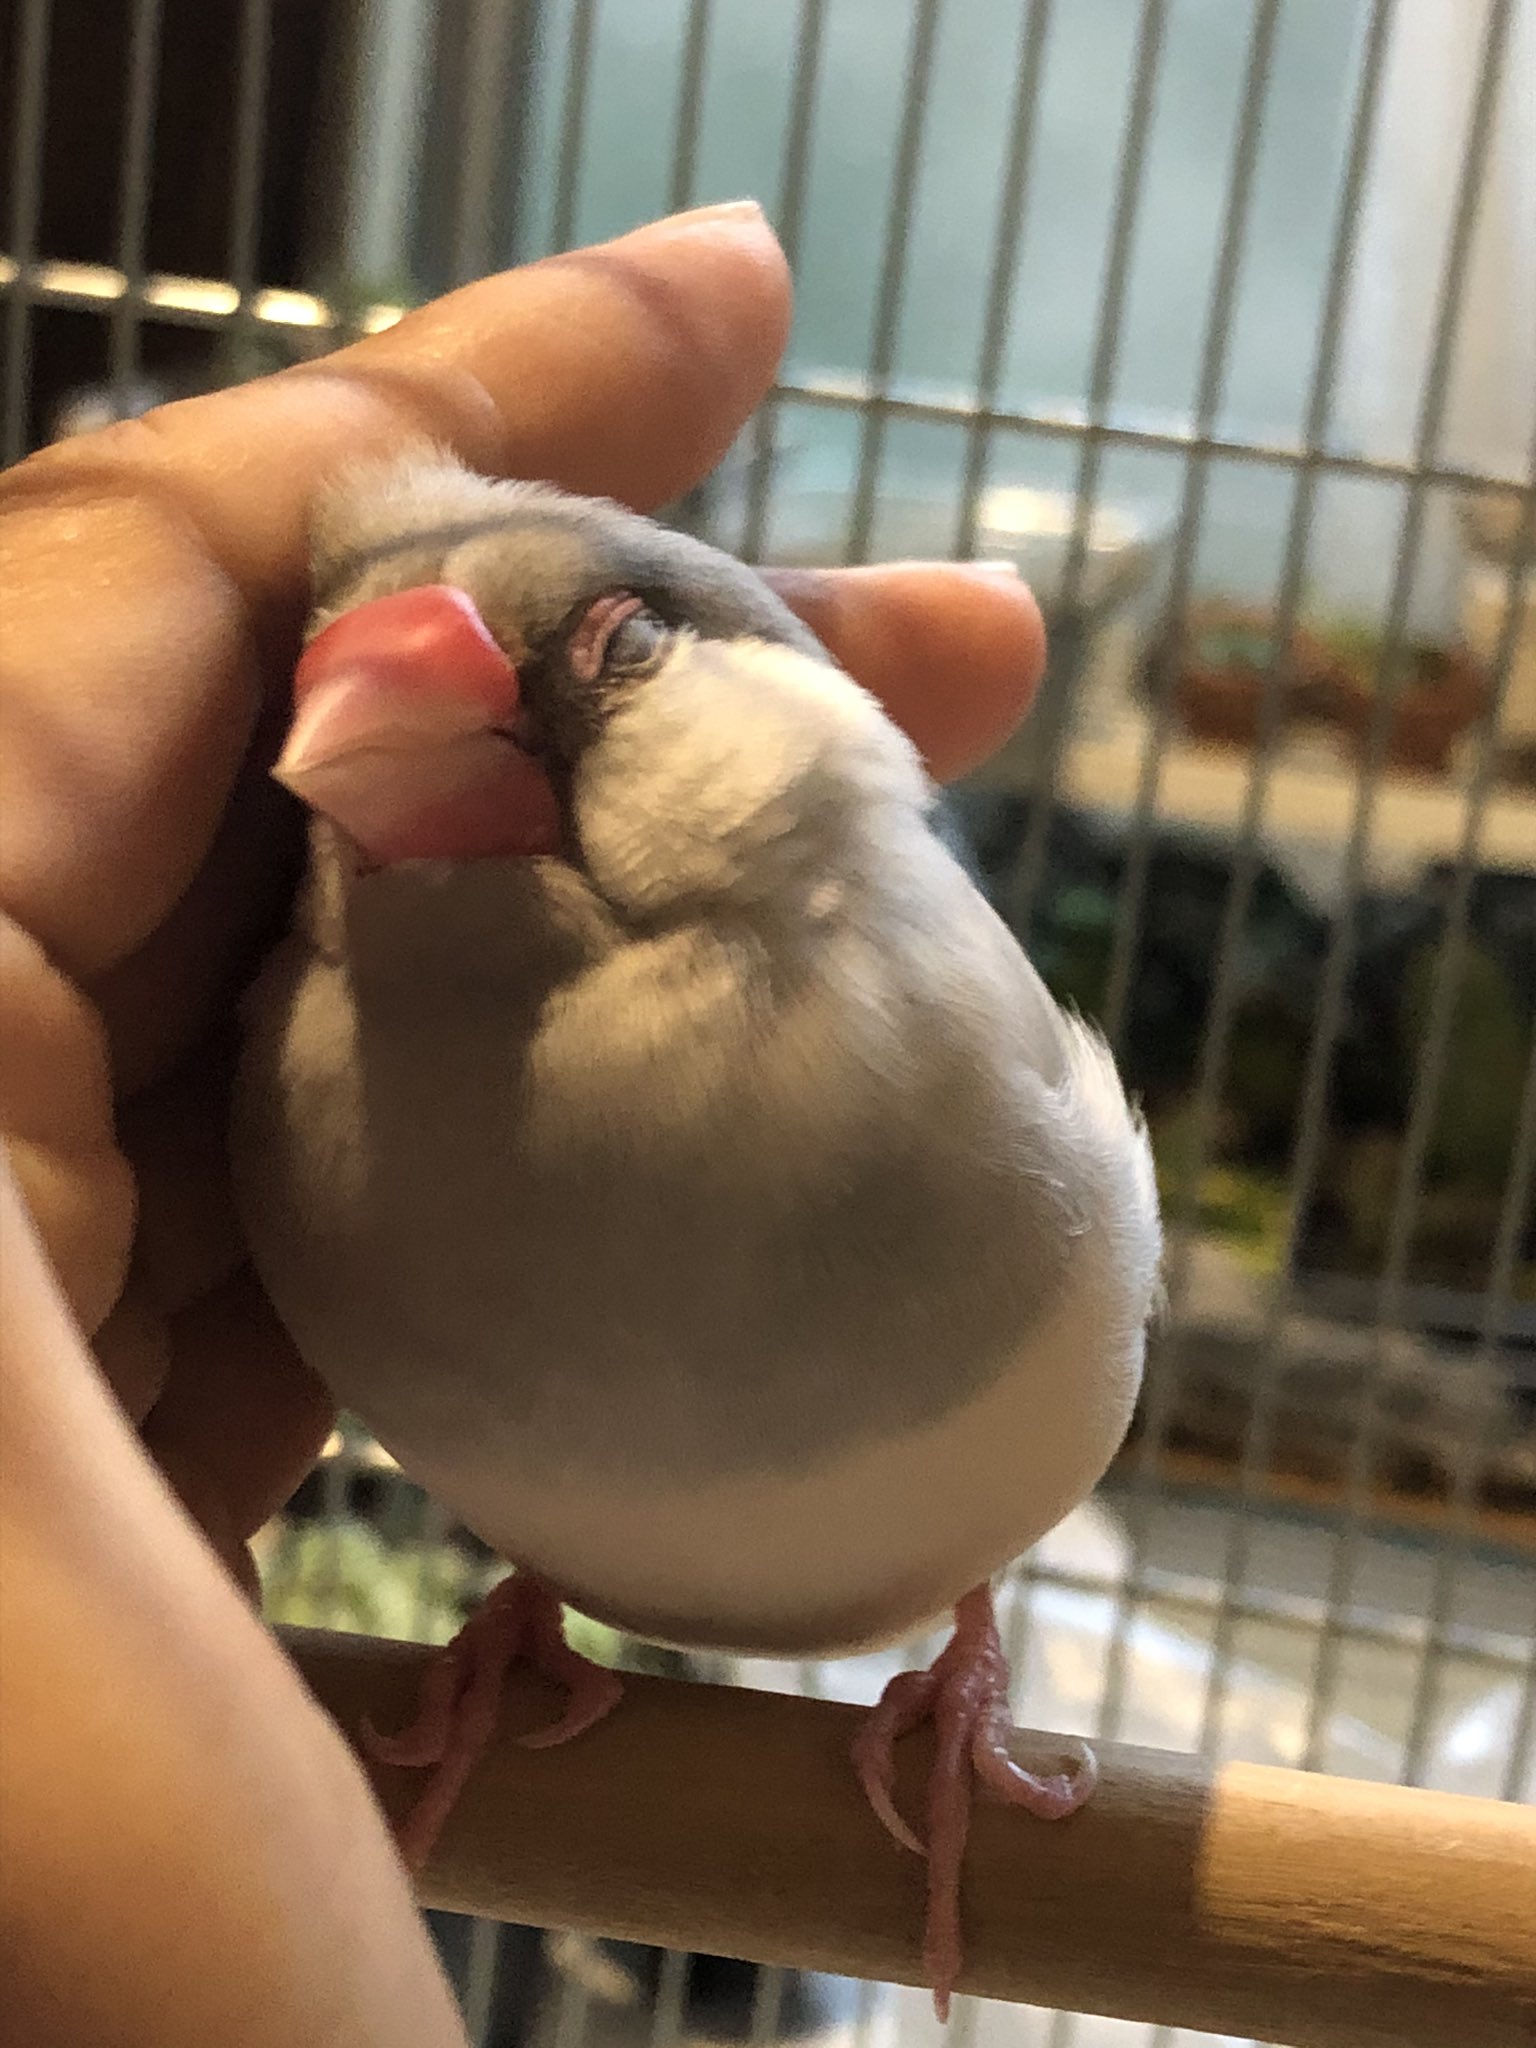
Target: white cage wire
1220,317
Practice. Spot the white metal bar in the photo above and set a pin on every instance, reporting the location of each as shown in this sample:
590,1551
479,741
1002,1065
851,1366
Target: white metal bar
964,2013
1339,962
1498,1281
690,107
1141,106
1188,1593
1429,1073
382,161
1063,2031
805,81
134,188
849,392
891,290
573,123
570,2026
250,119
767,2006
208,302
336,1476
1456,1544
478,2005
430,1534
808,1678
1007,258
1522,1746
1210,391
671,1999
1161,1392
491,27
29,108
1198,1599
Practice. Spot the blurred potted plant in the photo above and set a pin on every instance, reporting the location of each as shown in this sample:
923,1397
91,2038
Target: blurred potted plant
1440,690
1328,678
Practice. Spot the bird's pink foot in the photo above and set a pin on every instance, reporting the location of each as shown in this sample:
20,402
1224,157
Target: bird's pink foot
965,1696
460,1699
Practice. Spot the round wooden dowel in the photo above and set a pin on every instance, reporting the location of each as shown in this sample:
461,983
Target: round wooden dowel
1321,1912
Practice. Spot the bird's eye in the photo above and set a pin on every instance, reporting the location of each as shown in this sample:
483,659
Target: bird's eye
615,636
634,643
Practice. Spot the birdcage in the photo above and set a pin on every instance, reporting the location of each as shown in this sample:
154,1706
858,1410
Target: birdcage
1218,317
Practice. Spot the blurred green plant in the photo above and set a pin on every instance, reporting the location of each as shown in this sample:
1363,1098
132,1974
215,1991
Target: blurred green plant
1248,1209
347,1575
1484,1069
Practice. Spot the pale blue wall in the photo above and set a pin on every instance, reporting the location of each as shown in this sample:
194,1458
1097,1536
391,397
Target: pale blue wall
625,179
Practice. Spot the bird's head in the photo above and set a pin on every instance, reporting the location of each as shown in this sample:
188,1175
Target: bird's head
499,670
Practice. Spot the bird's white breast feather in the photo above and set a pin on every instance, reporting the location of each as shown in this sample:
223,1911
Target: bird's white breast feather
743,1237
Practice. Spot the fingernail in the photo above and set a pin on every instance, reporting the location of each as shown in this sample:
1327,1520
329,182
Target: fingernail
726,212
1004,572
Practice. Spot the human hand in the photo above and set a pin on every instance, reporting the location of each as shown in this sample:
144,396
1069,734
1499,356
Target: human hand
191,1853
154,590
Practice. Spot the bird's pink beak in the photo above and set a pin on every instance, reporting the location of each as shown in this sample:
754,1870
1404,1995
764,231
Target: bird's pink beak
401,734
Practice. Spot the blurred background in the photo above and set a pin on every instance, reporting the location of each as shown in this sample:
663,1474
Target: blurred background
1219,318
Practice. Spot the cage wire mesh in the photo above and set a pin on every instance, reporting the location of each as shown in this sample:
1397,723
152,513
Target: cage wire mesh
1220,320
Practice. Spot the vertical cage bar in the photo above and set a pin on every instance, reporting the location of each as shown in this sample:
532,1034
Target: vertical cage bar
391,53
134,189
1007,257
250,118
1456,1542
480,1980
573,123
767,2006
29,108
963,2016
570,2028
1020,1583
1431,1066
1063,2030
1430,1069
335,1475
810,39
690,107
432,1523
866,2005
492,28
1434,1051
1337,967
1210,391
1313,1119
671,1998
1257,1436
1161,1390
246,162
893,274
1126,213
1522,1744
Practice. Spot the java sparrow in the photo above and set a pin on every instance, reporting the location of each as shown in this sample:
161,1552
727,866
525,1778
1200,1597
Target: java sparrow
651,1133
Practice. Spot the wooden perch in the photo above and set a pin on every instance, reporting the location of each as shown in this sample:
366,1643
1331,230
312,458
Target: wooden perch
1319,1912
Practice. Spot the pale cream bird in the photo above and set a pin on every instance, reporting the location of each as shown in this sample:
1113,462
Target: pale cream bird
651,1133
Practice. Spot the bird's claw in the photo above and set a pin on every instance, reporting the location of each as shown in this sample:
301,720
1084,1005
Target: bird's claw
965,1696
461,1697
